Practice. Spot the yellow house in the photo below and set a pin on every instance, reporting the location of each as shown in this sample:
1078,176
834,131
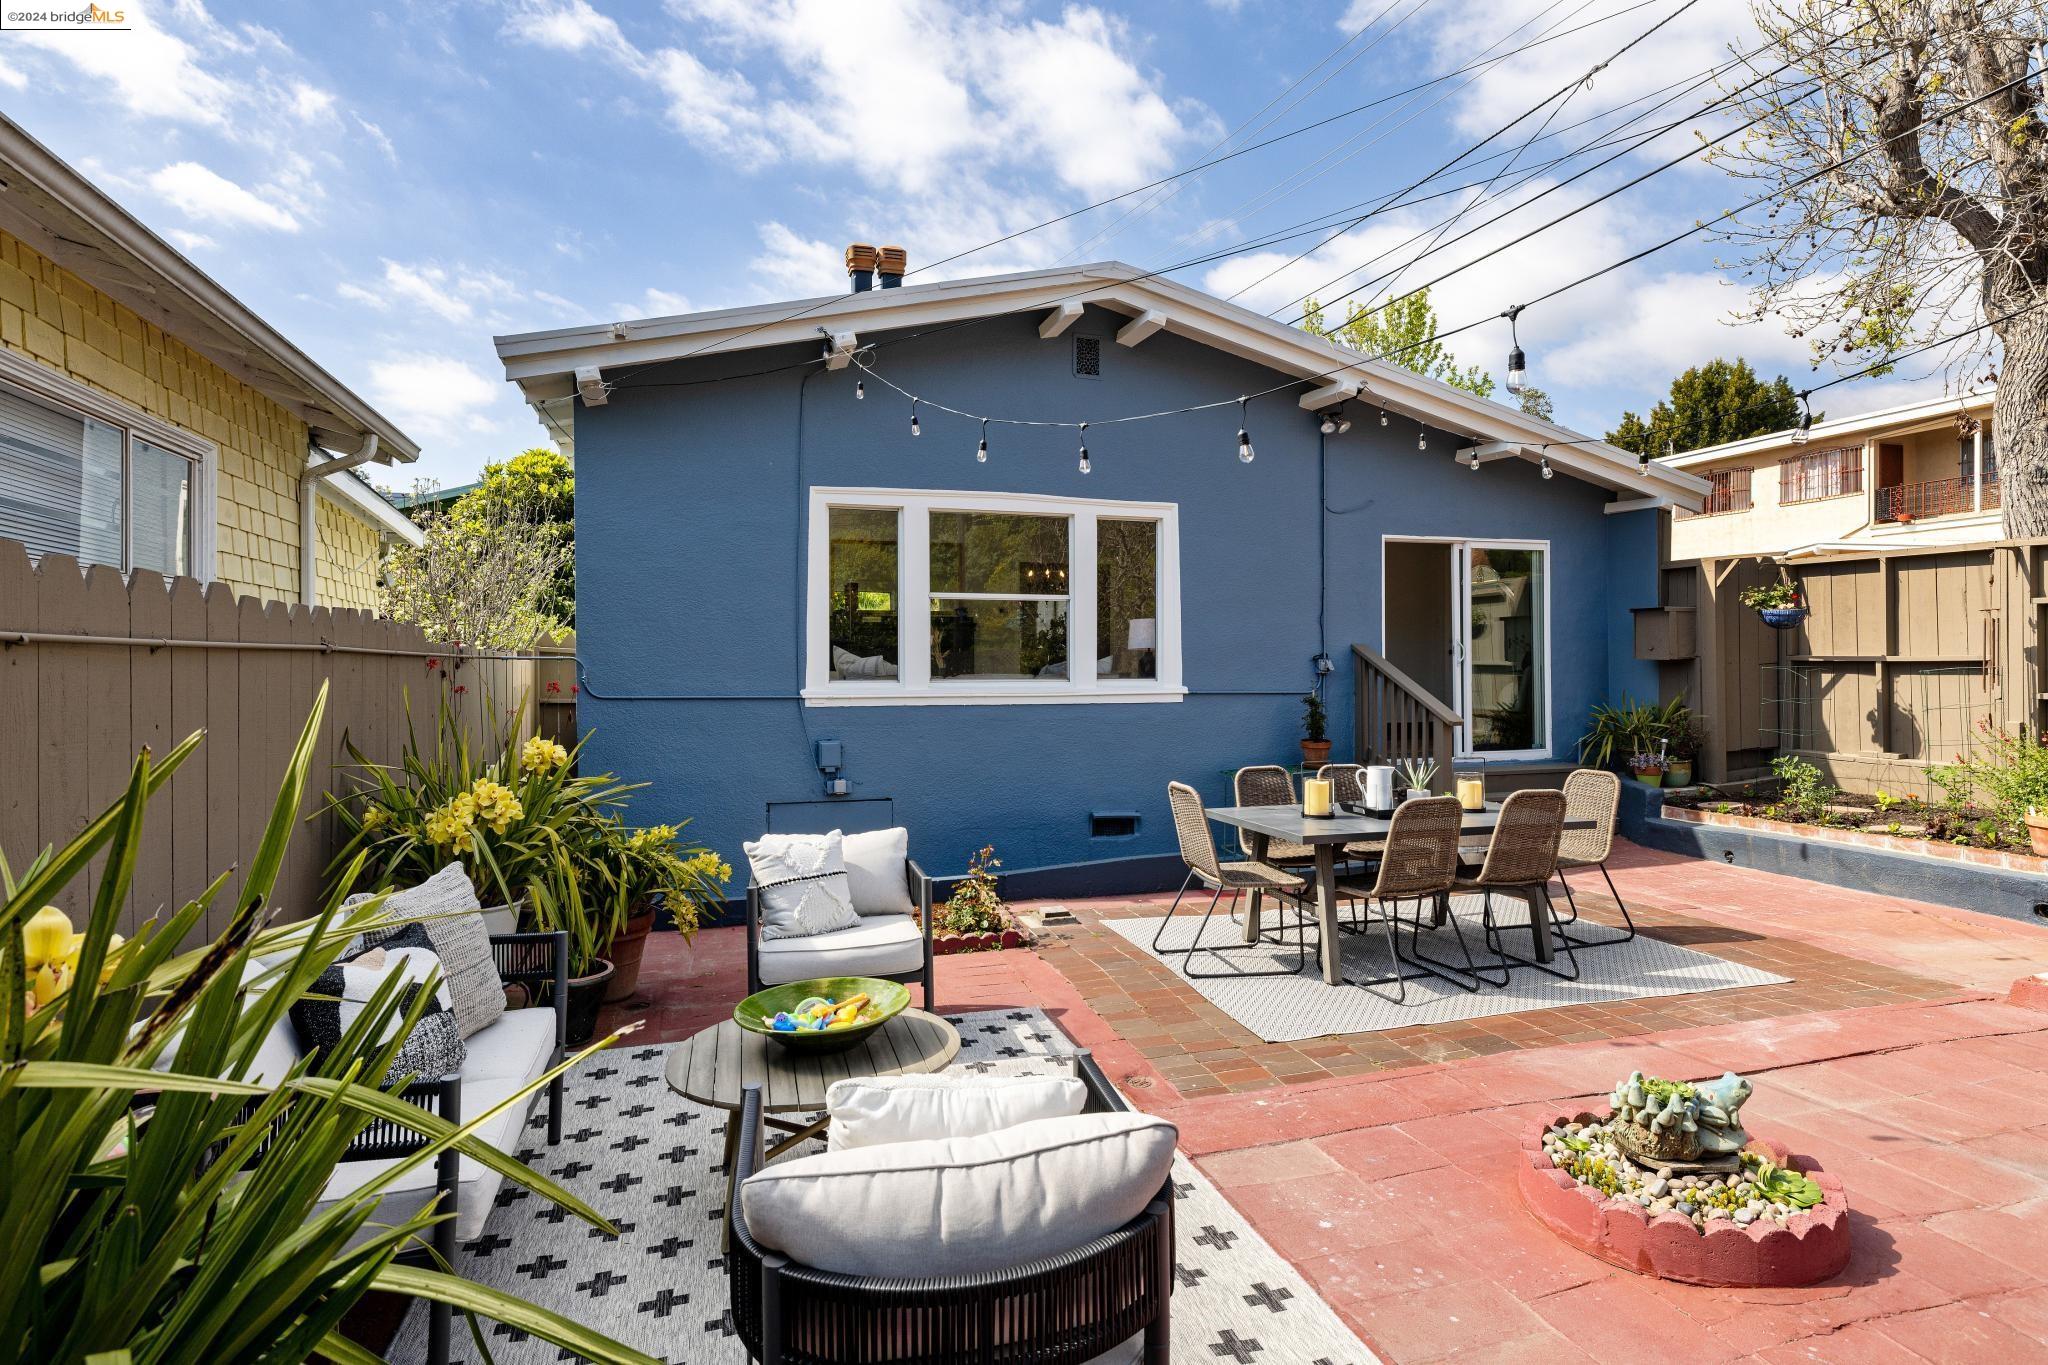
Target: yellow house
1925,474
150,420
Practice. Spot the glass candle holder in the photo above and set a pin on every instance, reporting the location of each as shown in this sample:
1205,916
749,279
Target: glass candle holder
1316,796
1468,782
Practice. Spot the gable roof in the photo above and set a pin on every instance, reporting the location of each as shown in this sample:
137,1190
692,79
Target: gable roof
545,365
60,213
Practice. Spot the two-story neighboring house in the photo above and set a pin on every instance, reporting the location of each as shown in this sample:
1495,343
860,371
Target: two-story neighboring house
150,420
1922,474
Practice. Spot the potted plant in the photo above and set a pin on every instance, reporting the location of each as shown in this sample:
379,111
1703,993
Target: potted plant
1315,732
1779,604
1648,768
1416,774
648,872
1615,732
555,902
2037,831
1680,751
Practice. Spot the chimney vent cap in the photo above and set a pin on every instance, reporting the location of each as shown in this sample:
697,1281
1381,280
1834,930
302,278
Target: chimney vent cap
860,256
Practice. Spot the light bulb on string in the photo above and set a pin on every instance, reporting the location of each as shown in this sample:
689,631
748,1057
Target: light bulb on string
1244,440
1421,437
915,430
1543,467
1475,462
1085,466
1805,427
1518,365
860,388
1383,416
981,451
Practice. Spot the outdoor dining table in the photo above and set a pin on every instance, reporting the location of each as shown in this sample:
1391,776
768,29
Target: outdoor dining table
1327,836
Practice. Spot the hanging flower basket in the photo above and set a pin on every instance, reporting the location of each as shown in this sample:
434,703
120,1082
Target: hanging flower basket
1782,618
1780,604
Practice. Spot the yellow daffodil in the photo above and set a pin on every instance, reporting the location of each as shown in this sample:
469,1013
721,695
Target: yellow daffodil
541,755
52,980
46,936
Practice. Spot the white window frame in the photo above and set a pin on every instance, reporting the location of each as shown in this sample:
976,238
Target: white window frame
1460,549
915,686
38,383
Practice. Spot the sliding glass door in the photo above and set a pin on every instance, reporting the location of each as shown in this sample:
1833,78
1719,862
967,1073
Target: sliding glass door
1502,595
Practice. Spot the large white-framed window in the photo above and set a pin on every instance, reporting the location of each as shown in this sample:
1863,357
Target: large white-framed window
922,597
84,474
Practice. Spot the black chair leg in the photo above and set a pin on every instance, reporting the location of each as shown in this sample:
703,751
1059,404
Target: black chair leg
1469,977
1628,920
1160,932
1397,977
1195,945
1532,893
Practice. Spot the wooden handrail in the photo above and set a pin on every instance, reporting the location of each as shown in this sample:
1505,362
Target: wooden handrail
1408,685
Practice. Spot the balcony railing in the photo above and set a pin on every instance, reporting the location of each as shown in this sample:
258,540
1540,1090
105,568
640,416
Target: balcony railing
1935,498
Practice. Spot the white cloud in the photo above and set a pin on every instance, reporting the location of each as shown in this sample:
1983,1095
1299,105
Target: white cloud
568,26
662,303
796,266
190,241
214,198
434,394
11,78
457,295
152,73
309,103
377,138
369,298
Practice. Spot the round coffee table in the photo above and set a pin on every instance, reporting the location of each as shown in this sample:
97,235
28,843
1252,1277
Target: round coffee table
714,1067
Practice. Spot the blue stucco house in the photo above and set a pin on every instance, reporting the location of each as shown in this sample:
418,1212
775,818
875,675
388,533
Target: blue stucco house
805,601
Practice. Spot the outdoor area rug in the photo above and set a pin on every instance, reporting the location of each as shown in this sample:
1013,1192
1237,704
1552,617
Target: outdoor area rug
648,1158
1282,1009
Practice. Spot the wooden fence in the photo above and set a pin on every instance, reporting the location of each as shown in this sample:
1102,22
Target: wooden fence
93,668
1903,656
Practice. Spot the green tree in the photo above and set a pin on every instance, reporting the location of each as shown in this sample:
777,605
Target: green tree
1402,332
535,488
1536,402
1711,403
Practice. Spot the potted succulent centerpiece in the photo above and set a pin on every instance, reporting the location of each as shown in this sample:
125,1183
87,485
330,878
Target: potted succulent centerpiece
1415,775
1315,731
1779,604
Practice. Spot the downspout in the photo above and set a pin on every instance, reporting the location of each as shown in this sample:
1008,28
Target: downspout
309,494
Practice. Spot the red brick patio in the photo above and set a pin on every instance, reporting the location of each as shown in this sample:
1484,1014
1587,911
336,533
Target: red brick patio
1381,1165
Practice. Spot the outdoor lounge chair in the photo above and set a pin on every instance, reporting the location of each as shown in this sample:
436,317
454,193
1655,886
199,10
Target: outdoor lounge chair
1590,794
1062,1309
892,947
1198,851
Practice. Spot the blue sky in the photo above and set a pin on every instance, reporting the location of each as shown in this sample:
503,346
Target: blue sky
390,185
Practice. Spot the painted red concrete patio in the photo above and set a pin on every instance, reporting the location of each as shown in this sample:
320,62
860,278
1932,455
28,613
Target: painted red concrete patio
1390,1184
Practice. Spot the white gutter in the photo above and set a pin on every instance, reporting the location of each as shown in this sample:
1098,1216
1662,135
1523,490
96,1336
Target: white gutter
309,495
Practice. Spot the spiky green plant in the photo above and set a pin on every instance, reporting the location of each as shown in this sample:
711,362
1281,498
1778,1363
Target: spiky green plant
160,1207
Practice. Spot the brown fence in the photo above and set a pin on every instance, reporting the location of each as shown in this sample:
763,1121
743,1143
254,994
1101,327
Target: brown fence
93,668
1904,654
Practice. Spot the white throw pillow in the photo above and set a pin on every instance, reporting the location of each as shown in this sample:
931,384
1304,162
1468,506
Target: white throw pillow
874,872
877,1109
445,905
803,884
962,1206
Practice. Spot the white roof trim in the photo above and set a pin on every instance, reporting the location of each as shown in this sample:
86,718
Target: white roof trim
349,493
1825,433
544,364
64,216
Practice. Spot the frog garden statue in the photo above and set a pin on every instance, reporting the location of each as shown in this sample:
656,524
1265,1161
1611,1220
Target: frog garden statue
1676,1125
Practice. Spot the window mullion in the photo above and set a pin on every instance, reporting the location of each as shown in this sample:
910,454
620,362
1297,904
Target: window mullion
1082,593
914,596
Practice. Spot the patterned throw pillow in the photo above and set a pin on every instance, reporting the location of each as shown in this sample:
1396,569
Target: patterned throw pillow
338,995
445,905
802,878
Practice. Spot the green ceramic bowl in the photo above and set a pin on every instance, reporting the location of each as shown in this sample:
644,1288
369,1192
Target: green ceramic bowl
890,999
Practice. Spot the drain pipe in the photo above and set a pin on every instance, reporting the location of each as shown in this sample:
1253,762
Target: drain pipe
309,496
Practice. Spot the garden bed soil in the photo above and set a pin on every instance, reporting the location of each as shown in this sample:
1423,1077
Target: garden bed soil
1907,824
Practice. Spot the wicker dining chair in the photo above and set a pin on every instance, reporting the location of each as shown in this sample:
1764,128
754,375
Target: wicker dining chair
1590,794
1269,784
1520,858
1198,851
1418,864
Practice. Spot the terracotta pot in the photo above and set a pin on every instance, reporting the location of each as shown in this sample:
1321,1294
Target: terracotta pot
1652,776
628,947
2037,834
586,998
1315,752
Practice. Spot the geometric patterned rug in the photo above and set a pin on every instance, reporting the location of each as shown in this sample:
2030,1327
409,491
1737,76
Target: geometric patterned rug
1283,1009
648,1159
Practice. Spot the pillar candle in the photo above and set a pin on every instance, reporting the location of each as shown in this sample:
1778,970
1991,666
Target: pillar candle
1472,793
1315,796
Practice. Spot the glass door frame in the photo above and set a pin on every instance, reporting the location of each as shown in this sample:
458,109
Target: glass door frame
1460,551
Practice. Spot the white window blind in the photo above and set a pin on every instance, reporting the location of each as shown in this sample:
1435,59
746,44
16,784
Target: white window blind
72,484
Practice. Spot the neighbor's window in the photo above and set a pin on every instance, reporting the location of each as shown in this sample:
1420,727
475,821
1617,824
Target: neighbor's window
1821,474
1022,597
1727,491
72,484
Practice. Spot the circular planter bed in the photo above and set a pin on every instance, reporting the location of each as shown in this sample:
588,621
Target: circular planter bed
942,944
1807,1245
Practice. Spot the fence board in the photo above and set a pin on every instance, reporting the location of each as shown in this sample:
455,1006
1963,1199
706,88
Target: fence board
149,723
20,602
62,720
187,795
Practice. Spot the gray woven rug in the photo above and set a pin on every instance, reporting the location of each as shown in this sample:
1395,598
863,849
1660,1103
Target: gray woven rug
634,1149
1282,1009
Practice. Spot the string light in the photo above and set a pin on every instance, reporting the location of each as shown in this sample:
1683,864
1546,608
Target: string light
981,451
860,388
1383,416
1244,440
1421,437
1805,427
1475,462
914,429
1518,365
1543,468
1084,448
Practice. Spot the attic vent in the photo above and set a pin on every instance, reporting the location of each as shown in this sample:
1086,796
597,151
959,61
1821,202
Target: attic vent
1088,357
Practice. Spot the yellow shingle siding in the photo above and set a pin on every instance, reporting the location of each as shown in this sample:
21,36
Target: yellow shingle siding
57,318
349,555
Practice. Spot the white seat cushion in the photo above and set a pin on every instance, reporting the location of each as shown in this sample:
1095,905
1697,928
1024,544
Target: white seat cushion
879,945
962,1206
528,1034
875,1109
